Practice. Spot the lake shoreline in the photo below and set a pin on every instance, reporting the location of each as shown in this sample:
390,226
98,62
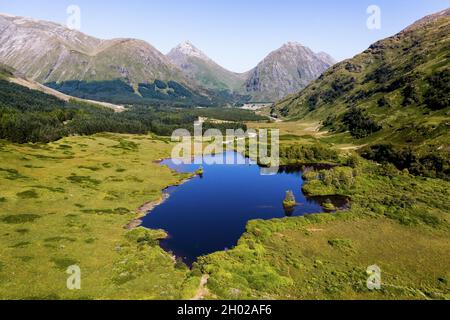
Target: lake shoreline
339,203
148,207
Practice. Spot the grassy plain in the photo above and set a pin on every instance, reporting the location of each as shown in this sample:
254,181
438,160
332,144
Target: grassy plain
67,203
398,222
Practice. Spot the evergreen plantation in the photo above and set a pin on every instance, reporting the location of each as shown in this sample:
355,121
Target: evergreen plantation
32,116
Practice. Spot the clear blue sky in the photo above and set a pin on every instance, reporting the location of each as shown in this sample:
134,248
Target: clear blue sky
236,33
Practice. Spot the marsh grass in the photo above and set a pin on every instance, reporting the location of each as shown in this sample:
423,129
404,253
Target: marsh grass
51,189
393,220
13,174
21,244
91,168
19,218
86,181
312,257
79,218
29,194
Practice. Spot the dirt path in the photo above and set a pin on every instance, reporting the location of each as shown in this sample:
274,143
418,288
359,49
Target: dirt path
202,291
352,148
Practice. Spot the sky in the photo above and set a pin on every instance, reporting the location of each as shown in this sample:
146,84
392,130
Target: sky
237,34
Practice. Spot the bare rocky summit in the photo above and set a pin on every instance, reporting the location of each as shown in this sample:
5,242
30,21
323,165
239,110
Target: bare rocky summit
286,71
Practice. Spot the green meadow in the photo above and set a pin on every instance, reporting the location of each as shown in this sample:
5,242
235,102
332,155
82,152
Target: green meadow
71,202
67,203
396,221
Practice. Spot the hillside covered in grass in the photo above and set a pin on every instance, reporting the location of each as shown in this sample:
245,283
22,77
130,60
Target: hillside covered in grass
68,202
395,93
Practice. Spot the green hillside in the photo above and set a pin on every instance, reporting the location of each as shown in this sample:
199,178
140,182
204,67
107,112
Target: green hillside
395,92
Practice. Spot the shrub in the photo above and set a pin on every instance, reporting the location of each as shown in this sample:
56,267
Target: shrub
410,95
432,164
437,97
383,103
359,124
63,263
19,218
29,194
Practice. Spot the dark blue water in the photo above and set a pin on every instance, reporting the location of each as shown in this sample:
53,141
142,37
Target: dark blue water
210,213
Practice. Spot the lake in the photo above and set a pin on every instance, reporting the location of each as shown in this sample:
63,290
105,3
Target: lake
209,213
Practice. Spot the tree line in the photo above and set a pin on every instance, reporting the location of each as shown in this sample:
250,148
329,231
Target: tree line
31,116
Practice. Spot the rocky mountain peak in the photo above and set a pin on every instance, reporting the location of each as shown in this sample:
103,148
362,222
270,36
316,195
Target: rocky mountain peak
188,49
285,71
293,45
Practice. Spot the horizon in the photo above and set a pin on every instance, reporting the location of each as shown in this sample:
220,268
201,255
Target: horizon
339,30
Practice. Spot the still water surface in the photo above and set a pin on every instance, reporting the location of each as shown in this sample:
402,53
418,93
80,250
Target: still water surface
209,213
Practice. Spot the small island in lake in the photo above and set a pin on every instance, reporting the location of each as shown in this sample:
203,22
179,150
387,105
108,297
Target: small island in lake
289,202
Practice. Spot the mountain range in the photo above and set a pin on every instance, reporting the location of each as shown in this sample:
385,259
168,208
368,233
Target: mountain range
129,69
49,52
284,71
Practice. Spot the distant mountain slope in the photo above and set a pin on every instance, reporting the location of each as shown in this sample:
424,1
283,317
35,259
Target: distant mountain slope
397,91
196,65
49,52
9,74
90,68
286,71
30,112
79,64
393,78
282,72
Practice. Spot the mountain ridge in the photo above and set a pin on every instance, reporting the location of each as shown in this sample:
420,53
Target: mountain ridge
392,98
53,52
283,71
50,53
198,66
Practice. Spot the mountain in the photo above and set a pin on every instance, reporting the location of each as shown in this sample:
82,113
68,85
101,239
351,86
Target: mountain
404,64
49,52
325,57
283,72
198,66
128,70
286,71
117,70
396,92
10,75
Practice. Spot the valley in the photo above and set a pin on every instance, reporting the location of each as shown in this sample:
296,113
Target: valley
87,175
74,196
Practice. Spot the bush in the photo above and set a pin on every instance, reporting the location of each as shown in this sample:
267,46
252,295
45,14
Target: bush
20,218
383,103
307,153
433,164
410,95
353,160
359,124
29,194
437,97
